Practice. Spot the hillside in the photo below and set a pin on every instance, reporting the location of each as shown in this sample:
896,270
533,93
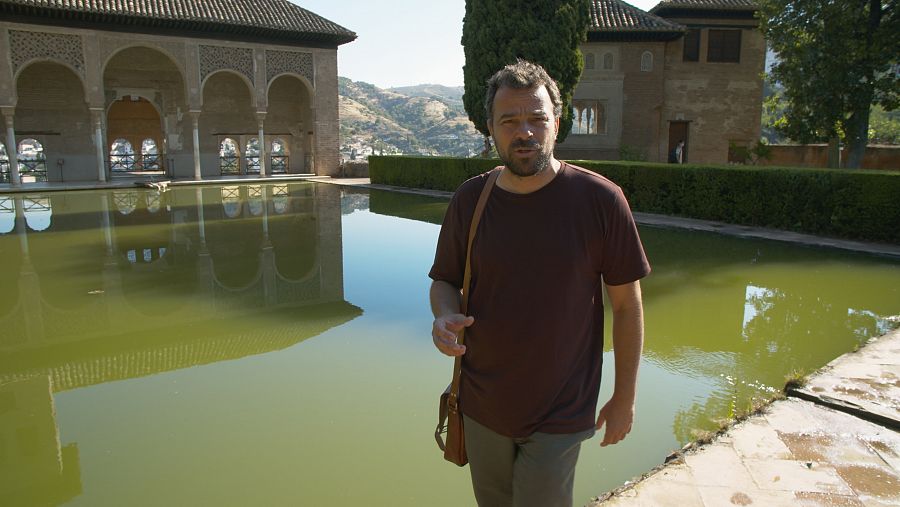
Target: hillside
424,119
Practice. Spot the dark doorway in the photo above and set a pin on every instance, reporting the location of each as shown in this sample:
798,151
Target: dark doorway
678,131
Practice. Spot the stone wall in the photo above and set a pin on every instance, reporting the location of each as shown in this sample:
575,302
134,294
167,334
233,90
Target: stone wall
816,155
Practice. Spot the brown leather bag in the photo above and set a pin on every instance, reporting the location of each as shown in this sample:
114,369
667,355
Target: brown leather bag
450,421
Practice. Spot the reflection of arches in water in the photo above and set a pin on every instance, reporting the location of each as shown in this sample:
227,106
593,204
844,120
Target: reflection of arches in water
38,213
280,199
158,278
231,201
154,202
125,201
295,241
255,199
235,246
10,266
7,214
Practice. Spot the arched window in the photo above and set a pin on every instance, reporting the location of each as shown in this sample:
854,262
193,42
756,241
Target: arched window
32,161
231,201
121,156
4,164
589,61
279,156
252,154
646,61
149,155
608,61
588,117
229,157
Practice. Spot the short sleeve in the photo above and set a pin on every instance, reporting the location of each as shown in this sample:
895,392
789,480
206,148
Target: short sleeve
623,258
450,255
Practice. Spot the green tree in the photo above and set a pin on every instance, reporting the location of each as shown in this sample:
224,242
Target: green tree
836,59
497,32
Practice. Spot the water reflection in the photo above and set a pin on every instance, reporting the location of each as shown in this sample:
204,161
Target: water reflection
130,283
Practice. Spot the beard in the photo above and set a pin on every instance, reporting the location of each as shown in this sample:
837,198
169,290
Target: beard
523,168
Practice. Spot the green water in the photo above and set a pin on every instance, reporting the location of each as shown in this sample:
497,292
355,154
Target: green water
270,345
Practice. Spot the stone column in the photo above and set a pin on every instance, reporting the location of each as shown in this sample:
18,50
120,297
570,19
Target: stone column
12,148
260,119
97,120
195,122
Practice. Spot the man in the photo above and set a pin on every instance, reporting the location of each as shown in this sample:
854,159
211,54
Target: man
550,235
676,156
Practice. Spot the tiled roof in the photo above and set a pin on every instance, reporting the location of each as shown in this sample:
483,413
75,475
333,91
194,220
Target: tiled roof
709,5
278,19
618,16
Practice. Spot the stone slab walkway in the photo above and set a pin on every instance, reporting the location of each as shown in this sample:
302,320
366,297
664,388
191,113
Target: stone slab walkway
797,452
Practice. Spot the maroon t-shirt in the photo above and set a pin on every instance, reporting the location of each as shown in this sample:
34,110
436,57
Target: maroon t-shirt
534,354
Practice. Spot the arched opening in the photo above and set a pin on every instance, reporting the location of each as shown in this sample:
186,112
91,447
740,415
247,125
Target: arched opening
647,61
147,96
229,157
150,155
51,108
289,121
251,155
608,61
4,164
227,113
279,156
121,156
134,123
32,161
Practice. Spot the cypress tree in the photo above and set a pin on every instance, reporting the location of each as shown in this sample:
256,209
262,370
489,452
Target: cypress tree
497,32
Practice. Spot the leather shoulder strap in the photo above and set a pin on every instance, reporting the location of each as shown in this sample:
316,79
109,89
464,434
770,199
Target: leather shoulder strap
467,277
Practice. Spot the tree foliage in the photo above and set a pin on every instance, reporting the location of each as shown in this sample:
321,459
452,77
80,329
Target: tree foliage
835,59
497,32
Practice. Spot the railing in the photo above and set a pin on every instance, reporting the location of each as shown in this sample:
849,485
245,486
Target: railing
150,162
230,164
253,165
4,171
32,170
279,164
121,163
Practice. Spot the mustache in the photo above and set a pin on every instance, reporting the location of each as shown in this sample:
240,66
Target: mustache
521,143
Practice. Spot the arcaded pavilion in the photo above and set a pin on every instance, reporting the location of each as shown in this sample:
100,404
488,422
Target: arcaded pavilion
185,88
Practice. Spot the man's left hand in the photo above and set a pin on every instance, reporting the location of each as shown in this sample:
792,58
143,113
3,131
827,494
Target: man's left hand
617,415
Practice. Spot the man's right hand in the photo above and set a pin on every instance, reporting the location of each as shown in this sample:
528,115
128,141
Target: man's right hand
444,332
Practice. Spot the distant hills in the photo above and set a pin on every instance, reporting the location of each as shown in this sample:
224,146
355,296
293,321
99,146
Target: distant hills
426,119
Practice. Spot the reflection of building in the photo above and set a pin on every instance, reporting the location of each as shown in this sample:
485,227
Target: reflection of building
88,99
167,281
688,70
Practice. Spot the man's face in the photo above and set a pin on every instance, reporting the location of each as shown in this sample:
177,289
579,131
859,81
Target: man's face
524,129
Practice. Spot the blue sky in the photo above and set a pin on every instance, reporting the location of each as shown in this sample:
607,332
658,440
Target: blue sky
402,42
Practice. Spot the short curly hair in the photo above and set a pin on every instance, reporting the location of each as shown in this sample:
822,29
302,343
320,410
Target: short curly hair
522,74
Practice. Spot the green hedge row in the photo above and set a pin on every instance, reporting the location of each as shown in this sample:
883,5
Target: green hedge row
853,204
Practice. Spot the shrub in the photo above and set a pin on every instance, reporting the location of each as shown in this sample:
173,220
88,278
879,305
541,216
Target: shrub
853,204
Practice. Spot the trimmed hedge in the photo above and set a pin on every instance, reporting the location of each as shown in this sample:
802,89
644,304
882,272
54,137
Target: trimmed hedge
853,204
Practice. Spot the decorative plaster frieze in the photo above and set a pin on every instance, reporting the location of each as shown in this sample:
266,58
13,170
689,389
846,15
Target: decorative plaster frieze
215,58
175,50
280,62
26,46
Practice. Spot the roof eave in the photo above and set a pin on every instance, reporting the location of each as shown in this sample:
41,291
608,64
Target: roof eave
634,35
665,11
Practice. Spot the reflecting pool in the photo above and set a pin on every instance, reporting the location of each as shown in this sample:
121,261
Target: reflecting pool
270,345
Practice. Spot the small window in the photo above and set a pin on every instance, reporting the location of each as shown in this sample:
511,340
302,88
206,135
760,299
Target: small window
647,62
589,61
121,156
608,61
279,156
4,164
32,161
724,46
692,45
252,154
149,155
588,117
229,157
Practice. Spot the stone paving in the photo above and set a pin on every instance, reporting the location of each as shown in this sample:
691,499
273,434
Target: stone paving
797,452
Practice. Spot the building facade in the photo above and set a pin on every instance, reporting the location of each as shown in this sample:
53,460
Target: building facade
183,87
688,70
